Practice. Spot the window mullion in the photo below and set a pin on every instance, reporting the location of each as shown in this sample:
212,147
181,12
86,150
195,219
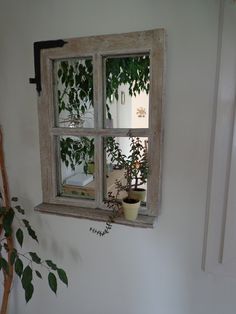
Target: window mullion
98,112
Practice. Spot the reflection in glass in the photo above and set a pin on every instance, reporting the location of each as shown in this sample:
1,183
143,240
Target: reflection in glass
127,84
126,167
77,167
74,92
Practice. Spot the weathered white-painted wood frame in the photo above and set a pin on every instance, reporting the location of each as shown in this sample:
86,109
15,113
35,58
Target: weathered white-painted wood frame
151,42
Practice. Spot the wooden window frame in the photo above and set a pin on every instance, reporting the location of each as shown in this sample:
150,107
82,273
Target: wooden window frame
98,47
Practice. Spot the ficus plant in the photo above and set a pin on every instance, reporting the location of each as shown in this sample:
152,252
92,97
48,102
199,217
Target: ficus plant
77,151
27,265
75,89
14,260
75,82
75,96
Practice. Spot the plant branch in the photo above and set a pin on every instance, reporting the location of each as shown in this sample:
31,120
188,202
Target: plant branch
8,276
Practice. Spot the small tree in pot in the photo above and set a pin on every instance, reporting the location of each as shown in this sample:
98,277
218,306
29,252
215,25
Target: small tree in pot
136,170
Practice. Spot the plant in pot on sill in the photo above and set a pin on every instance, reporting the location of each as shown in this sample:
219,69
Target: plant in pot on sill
136,170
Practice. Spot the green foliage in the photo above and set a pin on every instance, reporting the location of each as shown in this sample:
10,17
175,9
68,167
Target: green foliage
4,264
19,266
52,281
135,164
101,233
19,236
77,151
62,276
115,206
7,221
136,173
133,71
75,97
13,256
25,264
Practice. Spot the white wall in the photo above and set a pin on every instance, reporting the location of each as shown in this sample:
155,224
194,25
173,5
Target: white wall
132,271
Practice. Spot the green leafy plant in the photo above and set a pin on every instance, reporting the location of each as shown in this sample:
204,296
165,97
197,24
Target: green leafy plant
136,170
13,261
27,265
75,92
75,96
135,164
75,82
77,151
116,210
133,71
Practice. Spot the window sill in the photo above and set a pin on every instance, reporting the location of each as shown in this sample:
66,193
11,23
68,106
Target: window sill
142,221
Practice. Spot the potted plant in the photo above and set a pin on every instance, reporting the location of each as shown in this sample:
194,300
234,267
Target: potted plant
136,170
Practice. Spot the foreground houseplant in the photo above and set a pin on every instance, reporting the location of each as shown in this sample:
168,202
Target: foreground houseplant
12,260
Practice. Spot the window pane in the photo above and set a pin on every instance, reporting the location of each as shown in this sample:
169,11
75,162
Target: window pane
74,93
127,82
76,167
126,166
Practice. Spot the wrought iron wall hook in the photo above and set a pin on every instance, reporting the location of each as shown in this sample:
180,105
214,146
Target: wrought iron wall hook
38,46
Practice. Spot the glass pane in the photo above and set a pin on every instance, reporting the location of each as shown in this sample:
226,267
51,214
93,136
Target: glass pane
74,93
126,167
77,166
127,84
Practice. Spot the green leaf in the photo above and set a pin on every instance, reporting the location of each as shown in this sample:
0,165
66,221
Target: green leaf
62,275
26,223
19,267
7,221
13,256
51,264
38,274
4,264
19,236
20,209
52,281
32,233
26,277
29,290
109,115
35,257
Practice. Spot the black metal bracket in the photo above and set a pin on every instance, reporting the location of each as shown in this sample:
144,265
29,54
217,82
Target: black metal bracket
38,46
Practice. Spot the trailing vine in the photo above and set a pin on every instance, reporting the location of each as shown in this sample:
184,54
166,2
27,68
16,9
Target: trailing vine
114,205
